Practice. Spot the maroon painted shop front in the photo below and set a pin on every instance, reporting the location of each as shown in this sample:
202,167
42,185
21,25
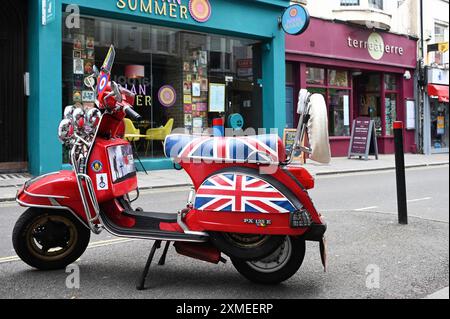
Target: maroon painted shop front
361,72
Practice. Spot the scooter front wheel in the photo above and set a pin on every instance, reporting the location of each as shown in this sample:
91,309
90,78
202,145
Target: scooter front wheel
281,265
49,239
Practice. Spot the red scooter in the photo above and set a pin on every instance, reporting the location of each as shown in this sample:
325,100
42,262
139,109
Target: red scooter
261,221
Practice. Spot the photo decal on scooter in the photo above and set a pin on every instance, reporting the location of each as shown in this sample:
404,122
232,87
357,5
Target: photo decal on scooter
122,162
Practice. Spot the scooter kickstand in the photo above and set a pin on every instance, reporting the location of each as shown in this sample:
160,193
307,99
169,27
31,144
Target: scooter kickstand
162,260
141,285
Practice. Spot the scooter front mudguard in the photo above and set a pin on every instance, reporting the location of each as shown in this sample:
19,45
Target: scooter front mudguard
58,190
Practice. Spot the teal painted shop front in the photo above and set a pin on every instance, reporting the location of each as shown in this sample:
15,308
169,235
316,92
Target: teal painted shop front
240,40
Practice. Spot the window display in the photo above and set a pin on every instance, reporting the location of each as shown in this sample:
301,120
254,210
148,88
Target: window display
171,71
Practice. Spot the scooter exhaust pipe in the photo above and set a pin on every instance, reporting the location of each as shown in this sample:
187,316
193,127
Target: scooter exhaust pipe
200,251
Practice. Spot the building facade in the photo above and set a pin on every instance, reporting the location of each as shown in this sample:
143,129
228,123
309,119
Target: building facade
424,21
188,61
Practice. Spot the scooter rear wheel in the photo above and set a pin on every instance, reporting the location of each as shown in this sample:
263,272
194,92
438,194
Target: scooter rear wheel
49,239
281,265
246,246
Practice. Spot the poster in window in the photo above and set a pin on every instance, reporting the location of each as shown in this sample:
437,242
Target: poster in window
204,85
88,67
186,67
77,97
78,81
90,54
187,87
78,66
196,89
77,54
346,102
203,57
122,162
188,119
88,96
187,99
216,97
78,42
90,43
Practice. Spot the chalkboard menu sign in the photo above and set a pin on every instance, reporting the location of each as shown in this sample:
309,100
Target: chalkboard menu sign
289,141
364,139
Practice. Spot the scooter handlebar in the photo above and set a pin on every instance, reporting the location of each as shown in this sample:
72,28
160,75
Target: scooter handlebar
132,114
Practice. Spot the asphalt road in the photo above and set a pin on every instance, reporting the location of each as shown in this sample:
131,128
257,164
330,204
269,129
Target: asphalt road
363,235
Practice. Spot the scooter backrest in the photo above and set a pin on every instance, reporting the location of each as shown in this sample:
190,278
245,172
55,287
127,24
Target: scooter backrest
318,130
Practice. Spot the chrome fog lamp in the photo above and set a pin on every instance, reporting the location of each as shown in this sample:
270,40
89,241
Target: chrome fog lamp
65,131
93,118
78,119
68,112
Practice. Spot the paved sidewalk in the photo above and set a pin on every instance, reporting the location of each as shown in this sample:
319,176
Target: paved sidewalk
342,165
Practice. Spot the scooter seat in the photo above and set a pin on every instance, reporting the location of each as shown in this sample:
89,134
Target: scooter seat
264,149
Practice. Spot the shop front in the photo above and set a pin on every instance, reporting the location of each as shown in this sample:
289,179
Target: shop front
187,61
361,73
436,117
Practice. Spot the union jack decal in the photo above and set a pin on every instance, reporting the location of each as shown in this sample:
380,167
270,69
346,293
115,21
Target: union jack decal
237,192
262,148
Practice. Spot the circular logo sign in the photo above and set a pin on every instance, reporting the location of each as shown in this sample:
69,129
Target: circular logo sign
102,83
236,121
375,45
200,10
167,96
295,19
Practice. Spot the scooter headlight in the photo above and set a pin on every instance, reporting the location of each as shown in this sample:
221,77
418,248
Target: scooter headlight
93,118
68,112
65,131
78,119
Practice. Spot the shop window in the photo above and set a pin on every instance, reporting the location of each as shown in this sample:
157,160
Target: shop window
376,4
391,112
338,78
390,82
315,76
440,35
339,112
439,125
346,3
334,86
153,59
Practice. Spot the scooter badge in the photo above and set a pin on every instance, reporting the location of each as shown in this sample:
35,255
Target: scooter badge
97,166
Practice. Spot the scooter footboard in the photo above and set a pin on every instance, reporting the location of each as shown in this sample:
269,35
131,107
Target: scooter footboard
249,223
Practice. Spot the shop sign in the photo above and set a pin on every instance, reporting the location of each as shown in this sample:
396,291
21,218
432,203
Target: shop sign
376,46
295,20
48,11
364,139
437,76
198,10
245,67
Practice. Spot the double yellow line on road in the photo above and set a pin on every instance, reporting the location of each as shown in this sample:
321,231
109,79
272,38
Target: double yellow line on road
96,244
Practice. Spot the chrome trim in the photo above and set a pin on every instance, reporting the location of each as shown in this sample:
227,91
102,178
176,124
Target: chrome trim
186,228
44,196
21,203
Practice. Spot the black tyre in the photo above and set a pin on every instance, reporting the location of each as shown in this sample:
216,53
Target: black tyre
276,268
246,246
49,239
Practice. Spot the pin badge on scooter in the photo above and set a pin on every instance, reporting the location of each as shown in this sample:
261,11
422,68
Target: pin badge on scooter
97,166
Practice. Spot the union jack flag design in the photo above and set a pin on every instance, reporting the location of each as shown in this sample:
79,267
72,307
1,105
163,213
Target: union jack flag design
240,193
262,148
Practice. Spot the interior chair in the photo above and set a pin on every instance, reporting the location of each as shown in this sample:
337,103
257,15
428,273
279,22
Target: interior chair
130,129
158,134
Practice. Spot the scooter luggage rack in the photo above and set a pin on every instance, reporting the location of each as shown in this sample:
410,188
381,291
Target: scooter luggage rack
301,131
96,229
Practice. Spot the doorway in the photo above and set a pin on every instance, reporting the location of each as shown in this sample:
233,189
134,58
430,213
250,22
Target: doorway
13,119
